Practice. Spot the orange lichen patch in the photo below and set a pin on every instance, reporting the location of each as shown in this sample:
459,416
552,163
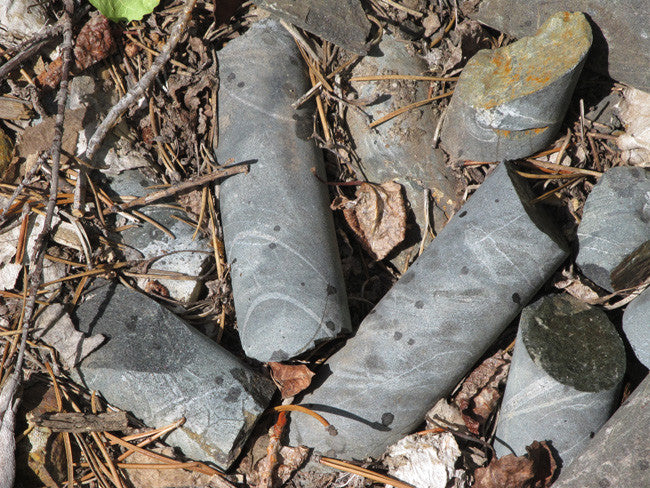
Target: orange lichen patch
492,78
520,134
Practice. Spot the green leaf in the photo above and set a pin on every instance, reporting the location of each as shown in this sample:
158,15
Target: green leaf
128,10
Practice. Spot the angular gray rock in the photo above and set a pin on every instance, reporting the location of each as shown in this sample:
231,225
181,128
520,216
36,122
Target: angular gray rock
278,229
509,102
621,31
564,378
180,254
636,326
435,322
342,22
615,221
161,369
619,454
401,149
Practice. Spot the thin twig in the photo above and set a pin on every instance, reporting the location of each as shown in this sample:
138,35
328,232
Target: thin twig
38,255
180,187
366,473
406,108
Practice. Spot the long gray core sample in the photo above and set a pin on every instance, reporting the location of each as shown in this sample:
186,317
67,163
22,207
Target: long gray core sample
435,322
278,229
566,370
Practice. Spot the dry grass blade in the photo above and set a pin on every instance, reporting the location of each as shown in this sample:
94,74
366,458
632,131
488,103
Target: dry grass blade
560,167
403,77
408,107
298,408
366,473
544,196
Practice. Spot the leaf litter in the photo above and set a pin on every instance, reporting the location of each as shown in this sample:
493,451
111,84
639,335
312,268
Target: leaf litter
176,132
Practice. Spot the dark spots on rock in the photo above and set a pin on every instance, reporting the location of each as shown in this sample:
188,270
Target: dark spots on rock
218,380
643,465
303,127
419,304
273,245
387,419
241,84
496,200
156,346
397,336
604,483
591,435
233,394
410,342
291,90
462,214
331,290
132,323
516,298
231,77
373,362
408,277
277,228
464,270
330,325
302,283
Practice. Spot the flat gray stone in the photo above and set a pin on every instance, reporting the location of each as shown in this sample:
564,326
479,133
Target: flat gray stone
180,253
342,22
615,221
621,31
435,323
509,102
564,378
619,454
278,229
161,369
401,149
636,326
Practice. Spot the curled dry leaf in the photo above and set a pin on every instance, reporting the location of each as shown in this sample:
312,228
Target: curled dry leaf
481,391
290,379
535,470
573,285
377,216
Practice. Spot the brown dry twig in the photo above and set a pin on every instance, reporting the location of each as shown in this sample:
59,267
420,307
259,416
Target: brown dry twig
7,410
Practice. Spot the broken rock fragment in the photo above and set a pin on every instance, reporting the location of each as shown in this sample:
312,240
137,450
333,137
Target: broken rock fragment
636,326
342,22
401,149
615,221
435,323
278,229
509,102
564,379
161,369
618,454
182,258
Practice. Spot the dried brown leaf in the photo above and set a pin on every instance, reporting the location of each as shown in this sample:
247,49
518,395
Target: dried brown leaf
481,391
544,464
51,75
94,42
290,379
290,459
39,137
507,472
377,217
573,285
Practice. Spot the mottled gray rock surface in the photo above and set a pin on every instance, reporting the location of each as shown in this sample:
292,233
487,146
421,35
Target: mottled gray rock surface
401,149
278,229
435,322
621,31
161,369
619,454
564,378
615,221
509,102
636,326
180,254
342,22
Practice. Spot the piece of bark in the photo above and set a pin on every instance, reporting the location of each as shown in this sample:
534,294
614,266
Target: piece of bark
634,270
78,422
